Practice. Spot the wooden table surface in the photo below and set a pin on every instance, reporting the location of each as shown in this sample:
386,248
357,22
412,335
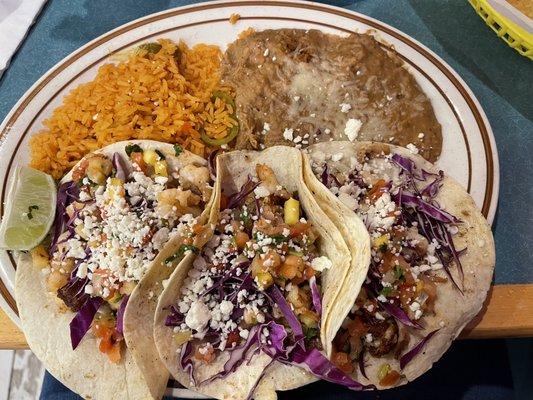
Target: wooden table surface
508,312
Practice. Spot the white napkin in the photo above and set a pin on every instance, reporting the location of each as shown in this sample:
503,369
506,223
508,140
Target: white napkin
16,16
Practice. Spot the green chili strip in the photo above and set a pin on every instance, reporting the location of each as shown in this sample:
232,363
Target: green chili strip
181,251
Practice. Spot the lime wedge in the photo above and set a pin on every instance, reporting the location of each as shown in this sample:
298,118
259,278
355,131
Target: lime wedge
29,209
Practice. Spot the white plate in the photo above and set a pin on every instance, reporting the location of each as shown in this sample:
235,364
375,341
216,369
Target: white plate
469,151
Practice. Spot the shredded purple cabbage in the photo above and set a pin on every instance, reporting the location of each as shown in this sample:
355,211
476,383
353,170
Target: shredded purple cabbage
120,168
433,188
409,166
237,355
276,295
407,357
186,361
320,366
174,317
315,294
429,217
399,314
410,200
329,180
237,199
65,194
120,314
81,322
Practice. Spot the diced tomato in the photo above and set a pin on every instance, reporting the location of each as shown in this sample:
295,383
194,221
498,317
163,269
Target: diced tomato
299,229
377,190
233,337
390,379
137,158
207,357
342,361
106,343
114,353
309,272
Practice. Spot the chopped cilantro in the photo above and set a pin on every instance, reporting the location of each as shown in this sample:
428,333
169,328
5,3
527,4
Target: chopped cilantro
386,291
151,48
133,148
177,149
244,217
383,247
279,239
160,154
310,333
181,251
399,273
30,211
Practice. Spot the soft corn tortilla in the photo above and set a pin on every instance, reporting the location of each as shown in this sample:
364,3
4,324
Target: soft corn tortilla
86,371
452,310
233,171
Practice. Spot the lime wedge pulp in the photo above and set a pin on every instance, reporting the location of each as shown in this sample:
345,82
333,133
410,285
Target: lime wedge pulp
29,209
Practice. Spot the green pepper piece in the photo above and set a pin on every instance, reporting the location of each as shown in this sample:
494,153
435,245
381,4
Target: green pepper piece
181,251
225,97
233,131
177,149
133,148
152,48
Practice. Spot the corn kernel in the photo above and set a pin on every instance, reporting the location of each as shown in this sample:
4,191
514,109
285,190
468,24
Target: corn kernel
292,211
160,168
265,280
380,241
116,182
384,369
150,157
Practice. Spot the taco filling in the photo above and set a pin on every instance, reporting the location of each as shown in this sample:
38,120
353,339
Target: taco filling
412,254
255,287
112,219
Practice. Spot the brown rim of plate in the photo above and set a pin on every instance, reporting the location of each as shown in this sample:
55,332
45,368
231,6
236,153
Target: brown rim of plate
28,97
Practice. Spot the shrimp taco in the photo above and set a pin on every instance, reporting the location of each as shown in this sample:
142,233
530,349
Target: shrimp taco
119,211
432,257
251,312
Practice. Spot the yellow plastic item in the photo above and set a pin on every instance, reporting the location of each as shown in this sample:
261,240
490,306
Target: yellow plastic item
512,34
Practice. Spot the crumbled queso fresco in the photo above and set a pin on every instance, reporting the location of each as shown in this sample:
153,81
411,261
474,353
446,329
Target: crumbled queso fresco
116,227
396,202
252,252
369,190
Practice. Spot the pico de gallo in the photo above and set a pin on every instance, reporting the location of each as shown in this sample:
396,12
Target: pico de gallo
112,219
255,286
412,252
